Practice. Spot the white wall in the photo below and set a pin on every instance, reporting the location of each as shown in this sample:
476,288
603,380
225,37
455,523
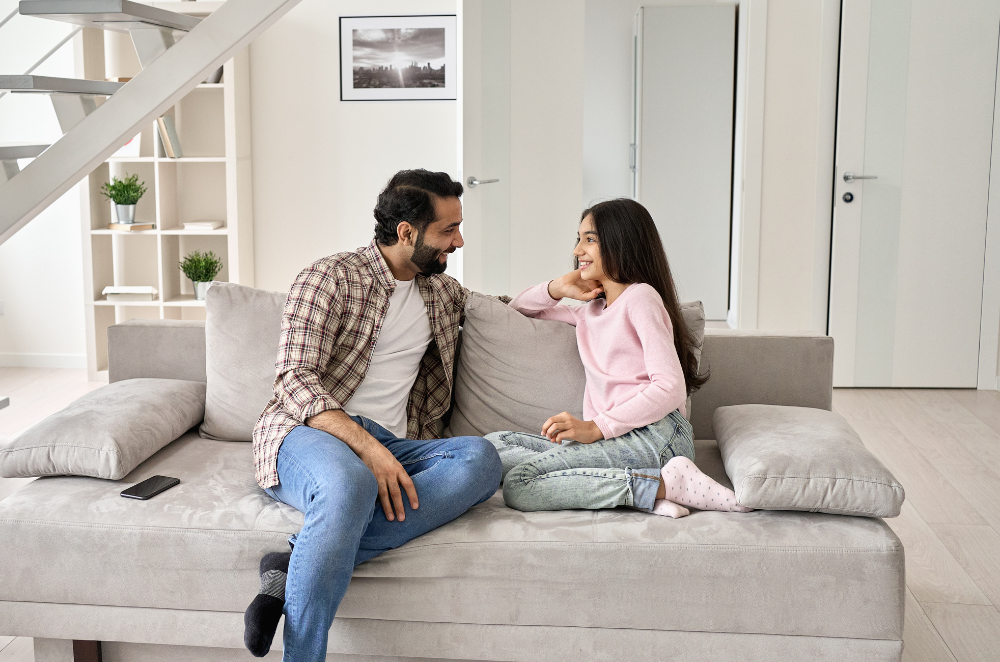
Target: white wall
41,272
546,127
318,162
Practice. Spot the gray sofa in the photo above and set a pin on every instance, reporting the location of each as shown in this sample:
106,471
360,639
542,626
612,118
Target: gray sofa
169,578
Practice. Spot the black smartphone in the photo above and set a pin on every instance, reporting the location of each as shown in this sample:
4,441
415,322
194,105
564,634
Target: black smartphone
150,487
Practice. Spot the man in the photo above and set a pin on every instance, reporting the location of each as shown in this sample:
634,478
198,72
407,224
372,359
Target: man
364,370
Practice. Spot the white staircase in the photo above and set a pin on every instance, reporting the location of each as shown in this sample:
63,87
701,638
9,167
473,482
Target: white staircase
151,29
72,98
9,154
170,69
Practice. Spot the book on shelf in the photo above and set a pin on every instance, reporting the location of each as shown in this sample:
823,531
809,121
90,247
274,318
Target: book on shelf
168,136
204,225
130,293
131,227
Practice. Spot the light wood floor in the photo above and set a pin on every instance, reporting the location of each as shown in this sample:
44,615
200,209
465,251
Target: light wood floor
943,446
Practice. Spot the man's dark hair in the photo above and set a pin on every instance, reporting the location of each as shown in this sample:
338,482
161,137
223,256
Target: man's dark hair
409,196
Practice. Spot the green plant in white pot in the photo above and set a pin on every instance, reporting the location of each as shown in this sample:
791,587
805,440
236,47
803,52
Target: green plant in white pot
124,194
201,268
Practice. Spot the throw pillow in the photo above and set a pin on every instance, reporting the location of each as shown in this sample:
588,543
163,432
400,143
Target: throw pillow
242,328
108,432
798,458
513,372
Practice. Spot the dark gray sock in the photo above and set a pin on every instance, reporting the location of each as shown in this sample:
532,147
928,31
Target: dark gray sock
261,618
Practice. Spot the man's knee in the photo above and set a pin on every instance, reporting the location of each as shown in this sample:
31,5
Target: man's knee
482,461
352,481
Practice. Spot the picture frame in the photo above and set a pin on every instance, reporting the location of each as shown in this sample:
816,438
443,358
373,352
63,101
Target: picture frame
399,58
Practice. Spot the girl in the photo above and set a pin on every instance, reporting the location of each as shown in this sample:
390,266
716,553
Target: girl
636,448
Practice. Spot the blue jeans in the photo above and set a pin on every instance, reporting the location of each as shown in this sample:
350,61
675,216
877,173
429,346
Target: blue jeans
623,471
344,523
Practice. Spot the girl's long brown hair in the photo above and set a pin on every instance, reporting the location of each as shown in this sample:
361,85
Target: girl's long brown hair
632,252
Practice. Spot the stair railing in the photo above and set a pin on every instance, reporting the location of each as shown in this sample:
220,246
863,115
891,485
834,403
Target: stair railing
8,17
52,51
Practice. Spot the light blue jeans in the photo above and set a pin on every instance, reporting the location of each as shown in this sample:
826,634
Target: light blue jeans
344,523
623,471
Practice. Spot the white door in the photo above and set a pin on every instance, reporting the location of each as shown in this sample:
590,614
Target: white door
484,143
915,110
685,64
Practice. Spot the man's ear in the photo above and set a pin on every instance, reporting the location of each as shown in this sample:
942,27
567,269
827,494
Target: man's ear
405,233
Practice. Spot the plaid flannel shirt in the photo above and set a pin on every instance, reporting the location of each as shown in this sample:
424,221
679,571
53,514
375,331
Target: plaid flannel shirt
329,328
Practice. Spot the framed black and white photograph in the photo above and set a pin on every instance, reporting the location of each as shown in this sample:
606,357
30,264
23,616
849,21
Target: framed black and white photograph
398,58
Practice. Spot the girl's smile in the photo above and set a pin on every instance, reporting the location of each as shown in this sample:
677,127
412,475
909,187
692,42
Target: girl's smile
588,252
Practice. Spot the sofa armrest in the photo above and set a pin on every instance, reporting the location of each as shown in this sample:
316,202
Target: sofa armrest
756,367
165,349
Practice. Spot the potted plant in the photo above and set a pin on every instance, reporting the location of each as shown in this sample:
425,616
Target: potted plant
124,194
201,268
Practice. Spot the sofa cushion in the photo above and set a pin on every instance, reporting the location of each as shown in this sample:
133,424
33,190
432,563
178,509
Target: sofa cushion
798,458
242,326
513,372
108,432
197,546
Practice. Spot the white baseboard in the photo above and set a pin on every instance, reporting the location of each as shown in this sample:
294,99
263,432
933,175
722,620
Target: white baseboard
17,360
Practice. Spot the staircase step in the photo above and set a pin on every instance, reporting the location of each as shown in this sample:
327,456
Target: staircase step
47,84
12,152
118,15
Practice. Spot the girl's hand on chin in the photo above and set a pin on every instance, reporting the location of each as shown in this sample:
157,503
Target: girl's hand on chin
564,426
571,286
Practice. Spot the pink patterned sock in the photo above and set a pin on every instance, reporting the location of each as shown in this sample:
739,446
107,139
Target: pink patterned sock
688,485
669,509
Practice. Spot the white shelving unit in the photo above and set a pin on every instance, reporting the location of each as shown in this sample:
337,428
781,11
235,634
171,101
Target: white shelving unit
211,182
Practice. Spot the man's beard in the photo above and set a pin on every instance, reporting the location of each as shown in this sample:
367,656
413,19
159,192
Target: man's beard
426,258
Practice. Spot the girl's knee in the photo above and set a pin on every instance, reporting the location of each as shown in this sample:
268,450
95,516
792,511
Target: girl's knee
513,490
495,438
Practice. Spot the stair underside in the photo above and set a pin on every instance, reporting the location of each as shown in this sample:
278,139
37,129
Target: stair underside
11,152
48,84
119,15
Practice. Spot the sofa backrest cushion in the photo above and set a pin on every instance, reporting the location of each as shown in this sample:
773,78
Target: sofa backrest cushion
108,432
759,367
242,327
514,372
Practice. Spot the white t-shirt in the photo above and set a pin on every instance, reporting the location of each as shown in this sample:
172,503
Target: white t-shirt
402,341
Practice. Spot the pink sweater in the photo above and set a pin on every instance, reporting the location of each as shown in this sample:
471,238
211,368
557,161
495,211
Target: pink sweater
634,377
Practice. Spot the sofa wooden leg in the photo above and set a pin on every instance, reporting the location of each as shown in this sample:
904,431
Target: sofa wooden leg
87,651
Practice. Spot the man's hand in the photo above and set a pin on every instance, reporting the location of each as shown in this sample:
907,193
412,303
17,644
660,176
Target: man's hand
383,464
390,476
571,286
565,426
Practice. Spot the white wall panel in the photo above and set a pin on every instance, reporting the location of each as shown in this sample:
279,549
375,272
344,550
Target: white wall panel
318,162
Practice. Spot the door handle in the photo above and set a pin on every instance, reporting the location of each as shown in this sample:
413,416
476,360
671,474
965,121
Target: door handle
473,182
850,177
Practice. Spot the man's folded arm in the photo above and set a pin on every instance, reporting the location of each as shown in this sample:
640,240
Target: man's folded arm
309,328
